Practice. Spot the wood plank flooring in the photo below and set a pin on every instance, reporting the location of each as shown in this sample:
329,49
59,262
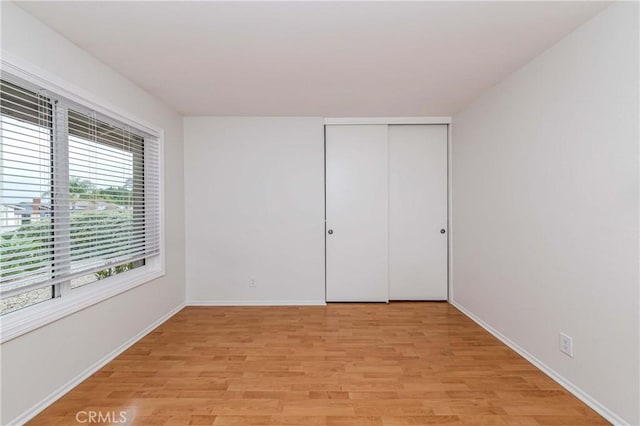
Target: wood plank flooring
343,364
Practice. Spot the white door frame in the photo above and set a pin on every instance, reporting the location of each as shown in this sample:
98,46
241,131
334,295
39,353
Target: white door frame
400,120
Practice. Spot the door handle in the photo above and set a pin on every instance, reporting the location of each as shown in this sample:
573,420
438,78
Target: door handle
330,231
442,231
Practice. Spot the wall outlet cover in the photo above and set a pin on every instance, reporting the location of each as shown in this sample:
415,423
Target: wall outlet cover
566,344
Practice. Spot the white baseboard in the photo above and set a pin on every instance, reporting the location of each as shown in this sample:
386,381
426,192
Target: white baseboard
256,303
54,396
575,390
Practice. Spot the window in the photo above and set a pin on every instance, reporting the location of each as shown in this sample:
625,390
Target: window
79,197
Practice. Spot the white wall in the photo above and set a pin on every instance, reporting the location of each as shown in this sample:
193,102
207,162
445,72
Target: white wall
254,190
545,208
38,363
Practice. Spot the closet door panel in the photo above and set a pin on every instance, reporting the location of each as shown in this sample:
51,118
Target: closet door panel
357,213
418,212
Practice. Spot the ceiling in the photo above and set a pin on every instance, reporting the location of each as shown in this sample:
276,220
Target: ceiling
314,58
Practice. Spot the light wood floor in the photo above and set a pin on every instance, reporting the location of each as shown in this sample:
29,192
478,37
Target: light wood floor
343,364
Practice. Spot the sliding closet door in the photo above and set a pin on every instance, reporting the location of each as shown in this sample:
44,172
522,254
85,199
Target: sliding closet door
357,213
418,212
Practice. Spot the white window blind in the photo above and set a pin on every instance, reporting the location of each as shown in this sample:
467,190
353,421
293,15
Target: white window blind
79,193
26,244
113,199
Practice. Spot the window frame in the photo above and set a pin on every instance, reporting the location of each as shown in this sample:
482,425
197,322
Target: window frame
22,321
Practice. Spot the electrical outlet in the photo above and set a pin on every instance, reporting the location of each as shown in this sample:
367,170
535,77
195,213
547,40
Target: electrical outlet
566,344
252,283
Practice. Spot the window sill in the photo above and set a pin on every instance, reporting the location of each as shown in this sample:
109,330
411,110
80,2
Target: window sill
23,321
